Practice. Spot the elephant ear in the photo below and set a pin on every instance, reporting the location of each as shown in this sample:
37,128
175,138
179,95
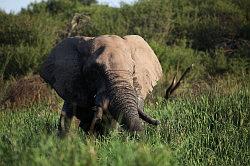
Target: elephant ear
147,69
62,68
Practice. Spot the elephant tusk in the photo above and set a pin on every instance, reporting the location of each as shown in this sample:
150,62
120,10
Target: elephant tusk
147,118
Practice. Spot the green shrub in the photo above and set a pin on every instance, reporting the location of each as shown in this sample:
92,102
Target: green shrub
221,63
16,29
103,20
137,19
178,58
207,24
211,27
25,41
149,19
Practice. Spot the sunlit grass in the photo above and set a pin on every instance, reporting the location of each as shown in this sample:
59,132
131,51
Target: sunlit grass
205,130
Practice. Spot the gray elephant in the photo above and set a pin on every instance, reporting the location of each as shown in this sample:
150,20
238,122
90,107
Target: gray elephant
103,79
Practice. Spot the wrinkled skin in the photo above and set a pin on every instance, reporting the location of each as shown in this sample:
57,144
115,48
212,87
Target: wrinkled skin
103,79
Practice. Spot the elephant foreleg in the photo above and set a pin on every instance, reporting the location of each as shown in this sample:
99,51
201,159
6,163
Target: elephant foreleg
65,118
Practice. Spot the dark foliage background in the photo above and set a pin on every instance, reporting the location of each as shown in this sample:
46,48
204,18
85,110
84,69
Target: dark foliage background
213,34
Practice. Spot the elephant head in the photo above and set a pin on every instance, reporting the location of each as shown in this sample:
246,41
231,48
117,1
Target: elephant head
108,72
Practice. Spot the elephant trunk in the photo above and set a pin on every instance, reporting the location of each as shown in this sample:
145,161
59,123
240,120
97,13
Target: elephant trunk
123,101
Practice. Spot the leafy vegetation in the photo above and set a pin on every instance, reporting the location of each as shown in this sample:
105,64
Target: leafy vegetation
207,30
206,123
209,129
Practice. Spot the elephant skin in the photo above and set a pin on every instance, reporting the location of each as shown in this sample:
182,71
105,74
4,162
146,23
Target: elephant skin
109,73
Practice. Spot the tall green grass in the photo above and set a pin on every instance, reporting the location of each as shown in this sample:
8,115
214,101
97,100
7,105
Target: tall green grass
209,129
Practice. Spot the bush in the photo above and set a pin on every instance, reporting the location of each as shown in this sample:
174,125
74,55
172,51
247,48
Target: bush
103,20
149,19
137,19
25,40
207,24
178,58
209,30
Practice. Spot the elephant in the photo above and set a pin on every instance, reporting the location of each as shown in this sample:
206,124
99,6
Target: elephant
103,79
